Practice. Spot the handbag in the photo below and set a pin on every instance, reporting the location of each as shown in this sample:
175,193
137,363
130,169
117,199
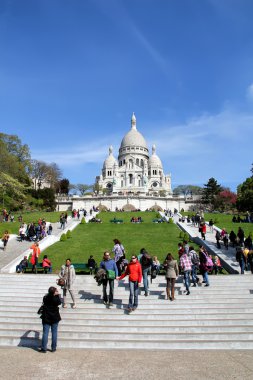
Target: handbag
41,309
110,274
60,282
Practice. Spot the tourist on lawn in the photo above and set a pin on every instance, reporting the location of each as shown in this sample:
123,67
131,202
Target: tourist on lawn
69,275
172,271
50,318
109,266
186,266
5,239
135,276
35,256
46,264
118,251
146,264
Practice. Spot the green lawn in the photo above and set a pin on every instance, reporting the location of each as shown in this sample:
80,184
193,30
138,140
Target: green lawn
94,239
28,217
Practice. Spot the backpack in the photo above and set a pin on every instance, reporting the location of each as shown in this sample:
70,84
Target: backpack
194,258
145,261
209,262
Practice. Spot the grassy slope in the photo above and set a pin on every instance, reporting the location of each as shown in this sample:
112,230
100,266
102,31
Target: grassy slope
94,239
29,217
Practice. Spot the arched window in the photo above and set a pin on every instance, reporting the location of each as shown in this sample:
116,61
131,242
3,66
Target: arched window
137,161
130,178
142,163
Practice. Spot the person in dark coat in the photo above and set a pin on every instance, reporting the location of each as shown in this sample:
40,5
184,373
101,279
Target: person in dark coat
50,318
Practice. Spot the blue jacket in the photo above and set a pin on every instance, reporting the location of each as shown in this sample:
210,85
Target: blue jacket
109,265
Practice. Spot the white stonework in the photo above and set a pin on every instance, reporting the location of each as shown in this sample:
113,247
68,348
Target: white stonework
135,171
133,181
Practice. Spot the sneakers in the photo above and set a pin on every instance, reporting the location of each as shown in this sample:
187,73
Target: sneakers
110,304
42,351
194,285
207,285
105,302
134,308
188,293
129,309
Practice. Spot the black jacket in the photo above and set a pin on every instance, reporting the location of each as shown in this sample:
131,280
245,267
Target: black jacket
51,312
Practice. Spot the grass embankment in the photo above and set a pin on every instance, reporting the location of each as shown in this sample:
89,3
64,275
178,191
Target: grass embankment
94,238
28,217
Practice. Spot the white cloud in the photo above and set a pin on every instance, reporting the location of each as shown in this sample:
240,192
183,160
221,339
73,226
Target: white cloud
250,93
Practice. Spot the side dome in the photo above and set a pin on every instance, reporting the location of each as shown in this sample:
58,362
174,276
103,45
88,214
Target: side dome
110,161
154,160
133,137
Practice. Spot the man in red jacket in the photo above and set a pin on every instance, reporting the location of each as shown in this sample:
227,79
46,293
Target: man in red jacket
135,277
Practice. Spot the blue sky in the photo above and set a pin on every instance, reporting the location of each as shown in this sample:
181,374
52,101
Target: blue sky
73,71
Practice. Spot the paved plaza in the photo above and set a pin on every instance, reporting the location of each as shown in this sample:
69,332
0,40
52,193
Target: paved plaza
25,363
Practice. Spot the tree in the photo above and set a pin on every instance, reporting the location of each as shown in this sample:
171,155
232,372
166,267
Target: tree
187,190
245,195
12,190
63,186
45,174
17,149
209,193
83,188
226,200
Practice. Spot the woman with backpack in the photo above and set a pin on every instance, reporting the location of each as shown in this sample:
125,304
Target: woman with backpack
204,265
146,263
119,252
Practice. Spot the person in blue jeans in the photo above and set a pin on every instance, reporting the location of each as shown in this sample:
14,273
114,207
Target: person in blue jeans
108,264
135,276
50,318
146,263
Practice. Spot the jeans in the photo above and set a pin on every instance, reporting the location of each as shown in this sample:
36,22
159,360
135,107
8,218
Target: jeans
111,285
54,329
134,291
205,277
187,279
242,265
145,279
65,295
194,274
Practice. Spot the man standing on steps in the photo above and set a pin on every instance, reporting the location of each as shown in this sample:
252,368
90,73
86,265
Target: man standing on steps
135,276
69,275
111,269
186,266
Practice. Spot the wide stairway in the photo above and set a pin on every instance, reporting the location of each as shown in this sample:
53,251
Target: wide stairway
215,317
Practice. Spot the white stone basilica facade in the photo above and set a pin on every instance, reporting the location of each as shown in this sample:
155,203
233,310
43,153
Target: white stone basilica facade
133,181
135,171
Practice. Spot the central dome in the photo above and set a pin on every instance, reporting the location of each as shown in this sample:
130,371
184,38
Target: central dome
133,137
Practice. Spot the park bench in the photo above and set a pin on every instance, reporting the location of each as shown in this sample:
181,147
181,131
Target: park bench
116,221
158,220
82,267
30,266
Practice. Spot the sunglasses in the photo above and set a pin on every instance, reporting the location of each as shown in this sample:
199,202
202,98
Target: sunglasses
134,258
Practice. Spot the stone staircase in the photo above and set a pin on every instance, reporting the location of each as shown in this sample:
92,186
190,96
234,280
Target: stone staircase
215,317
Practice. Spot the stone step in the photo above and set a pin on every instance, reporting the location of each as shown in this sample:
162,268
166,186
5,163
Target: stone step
25,341
138,314
159,307
69,328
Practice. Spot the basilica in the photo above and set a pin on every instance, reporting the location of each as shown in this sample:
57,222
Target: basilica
135,171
